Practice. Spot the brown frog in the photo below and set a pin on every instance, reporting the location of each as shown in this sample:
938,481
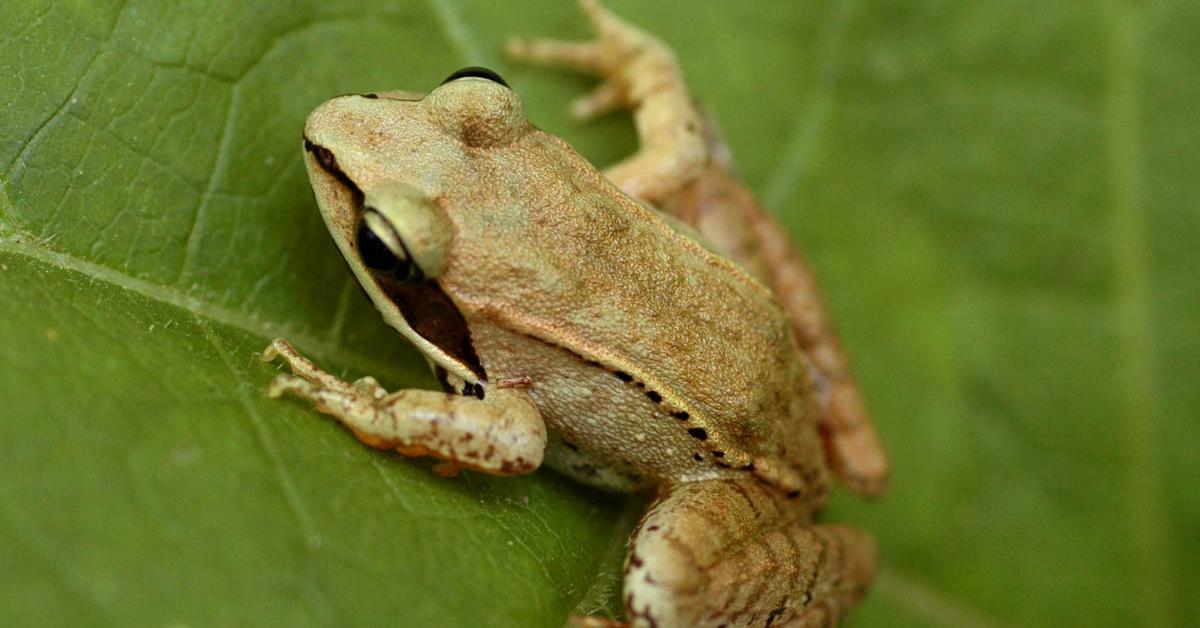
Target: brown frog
645,328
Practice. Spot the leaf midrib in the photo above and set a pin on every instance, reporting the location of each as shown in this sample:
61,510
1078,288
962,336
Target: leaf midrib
1135,339
28,245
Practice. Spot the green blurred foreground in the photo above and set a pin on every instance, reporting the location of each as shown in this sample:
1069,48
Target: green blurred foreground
1001,198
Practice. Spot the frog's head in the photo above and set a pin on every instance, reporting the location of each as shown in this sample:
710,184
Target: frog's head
383,168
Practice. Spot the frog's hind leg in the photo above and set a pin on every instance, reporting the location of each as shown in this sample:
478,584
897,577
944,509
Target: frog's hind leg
736,553
501,433
640,73
722,209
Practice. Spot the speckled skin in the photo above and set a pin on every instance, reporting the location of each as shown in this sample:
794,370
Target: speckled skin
572,321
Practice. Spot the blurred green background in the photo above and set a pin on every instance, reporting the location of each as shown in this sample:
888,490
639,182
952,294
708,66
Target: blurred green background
1001,199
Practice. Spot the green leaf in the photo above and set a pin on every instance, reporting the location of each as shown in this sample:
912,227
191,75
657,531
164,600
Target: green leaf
1000,198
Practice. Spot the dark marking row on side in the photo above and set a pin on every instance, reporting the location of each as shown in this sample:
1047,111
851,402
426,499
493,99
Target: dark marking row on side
585,469
654,396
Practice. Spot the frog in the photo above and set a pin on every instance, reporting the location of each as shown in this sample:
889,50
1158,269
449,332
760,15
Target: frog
646,328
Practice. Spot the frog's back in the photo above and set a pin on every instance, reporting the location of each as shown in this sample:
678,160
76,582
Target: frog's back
607,279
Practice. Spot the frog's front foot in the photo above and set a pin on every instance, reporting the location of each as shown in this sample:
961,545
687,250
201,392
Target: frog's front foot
502,433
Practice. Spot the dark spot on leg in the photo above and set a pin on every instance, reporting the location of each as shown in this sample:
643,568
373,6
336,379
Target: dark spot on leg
718,453
698,433
570,445
653,396
697,457
371,95
623,376
681,415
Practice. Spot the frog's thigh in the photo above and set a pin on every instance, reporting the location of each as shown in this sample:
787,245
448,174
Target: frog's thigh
502,433
731,552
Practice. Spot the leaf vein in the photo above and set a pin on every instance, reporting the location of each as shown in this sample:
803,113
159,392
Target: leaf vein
26,245
1136,371
457,32
802,139
12,166
291,495
193,238
930,604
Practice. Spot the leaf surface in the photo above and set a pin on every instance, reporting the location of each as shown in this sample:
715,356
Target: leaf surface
1000,199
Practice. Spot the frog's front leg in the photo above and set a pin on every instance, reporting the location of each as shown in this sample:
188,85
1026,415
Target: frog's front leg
502,433
639,72
737,553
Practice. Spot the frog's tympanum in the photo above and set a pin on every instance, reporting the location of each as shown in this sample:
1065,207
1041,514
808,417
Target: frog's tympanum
644,328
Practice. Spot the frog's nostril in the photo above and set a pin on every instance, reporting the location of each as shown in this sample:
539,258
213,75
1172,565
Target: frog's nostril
323,155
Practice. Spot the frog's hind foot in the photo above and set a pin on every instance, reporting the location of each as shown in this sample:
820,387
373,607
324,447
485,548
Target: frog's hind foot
615,40
638,72
602,57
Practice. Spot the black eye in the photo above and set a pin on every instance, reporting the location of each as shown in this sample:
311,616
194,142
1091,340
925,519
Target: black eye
381,249
374,253
477,72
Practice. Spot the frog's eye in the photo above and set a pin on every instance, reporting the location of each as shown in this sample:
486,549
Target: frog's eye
381,249
479,113
402,233
477,72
